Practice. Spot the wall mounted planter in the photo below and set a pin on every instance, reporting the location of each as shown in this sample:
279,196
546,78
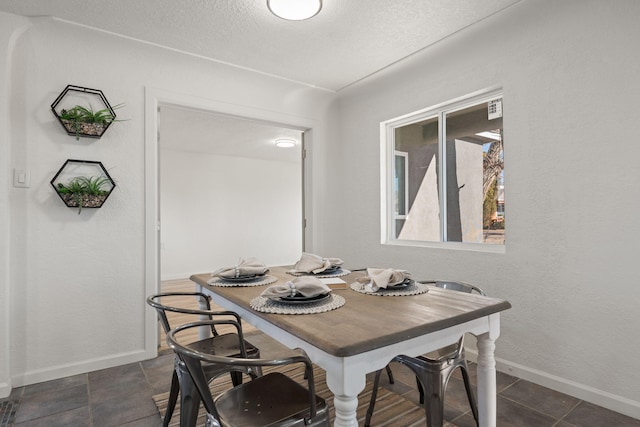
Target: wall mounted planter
83,111
83,184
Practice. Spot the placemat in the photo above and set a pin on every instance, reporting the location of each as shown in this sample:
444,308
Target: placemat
414,289
340,273
266,305
220,281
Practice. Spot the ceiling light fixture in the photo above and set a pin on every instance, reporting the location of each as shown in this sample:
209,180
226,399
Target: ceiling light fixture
294,10
285,143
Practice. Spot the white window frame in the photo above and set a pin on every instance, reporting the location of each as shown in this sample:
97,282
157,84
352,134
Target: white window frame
387,171
406,182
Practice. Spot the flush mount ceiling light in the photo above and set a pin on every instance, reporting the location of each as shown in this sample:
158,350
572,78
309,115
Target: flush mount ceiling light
294,10
285,143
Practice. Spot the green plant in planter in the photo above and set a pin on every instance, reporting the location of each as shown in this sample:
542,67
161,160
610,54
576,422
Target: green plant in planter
85,191
83,120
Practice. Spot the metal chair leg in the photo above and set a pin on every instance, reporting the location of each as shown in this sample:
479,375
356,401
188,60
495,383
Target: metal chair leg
236,378
374,396
470,395
434,405
173,398
420,390
189,398
390,374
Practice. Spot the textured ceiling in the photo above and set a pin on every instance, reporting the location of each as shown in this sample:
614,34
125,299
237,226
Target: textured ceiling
197,131
347,41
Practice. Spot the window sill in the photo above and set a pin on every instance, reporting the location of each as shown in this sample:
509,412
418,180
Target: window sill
456,246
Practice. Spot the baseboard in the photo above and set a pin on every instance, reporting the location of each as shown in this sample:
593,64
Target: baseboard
61,371
5,389
589,394
167,277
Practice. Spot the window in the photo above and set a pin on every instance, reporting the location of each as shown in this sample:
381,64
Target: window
400,184
444,173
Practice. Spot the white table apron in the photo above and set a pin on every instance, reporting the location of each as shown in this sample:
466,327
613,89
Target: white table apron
346,376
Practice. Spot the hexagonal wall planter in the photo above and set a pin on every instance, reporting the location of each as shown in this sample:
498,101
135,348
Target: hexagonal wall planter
83,111
83,184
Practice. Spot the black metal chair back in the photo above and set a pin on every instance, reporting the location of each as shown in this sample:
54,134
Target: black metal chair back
434,369
228,344
273,399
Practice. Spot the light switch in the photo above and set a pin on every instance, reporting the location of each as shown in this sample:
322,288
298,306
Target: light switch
21,178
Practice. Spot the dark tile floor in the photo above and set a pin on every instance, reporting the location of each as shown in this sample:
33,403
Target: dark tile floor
121,396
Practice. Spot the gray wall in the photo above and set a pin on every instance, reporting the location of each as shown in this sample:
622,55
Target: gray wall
570,111
216,209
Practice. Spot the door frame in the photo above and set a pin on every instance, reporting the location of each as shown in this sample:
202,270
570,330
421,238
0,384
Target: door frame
154,98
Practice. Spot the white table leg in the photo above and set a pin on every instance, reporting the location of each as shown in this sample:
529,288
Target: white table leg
486,381
345,391
346,407
203,333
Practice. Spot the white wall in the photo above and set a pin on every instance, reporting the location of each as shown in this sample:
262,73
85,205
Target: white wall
217,209
571,96
11,28
76,283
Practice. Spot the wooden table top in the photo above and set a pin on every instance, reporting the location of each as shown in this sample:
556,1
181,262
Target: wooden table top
365,321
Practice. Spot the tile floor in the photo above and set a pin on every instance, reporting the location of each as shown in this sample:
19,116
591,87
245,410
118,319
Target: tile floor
121,396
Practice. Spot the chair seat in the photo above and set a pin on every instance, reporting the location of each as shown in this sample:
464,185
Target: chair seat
271,400
442,355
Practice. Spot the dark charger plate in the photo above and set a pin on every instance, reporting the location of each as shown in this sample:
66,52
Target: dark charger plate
246,278
301,299
331,270
404,284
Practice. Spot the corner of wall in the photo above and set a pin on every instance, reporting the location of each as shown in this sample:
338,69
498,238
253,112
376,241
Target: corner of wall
11,28
5,389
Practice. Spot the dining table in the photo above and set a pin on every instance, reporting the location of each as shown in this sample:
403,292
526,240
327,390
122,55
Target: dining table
368,330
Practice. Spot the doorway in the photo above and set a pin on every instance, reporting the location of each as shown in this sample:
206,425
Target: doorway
155,100
227,192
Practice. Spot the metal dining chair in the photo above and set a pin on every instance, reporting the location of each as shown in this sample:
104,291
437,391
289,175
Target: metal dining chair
228,344
433,371
273,399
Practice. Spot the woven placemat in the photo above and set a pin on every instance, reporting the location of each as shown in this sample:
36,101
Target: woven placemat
413,289
340,273
266,305
221,281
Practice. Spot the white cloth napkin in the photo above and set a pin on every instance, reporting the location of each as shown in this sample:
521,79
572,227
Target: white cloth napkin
243,268
381,278
310,263
307,286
